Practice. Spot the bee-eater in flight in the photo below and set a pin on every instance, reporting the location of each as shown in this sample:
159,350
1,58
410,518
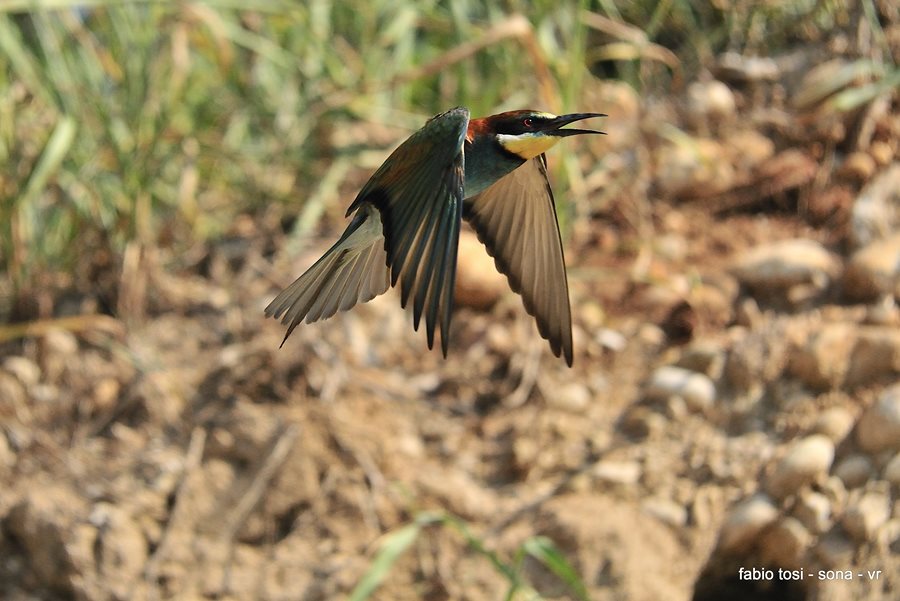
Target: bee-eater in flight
492,172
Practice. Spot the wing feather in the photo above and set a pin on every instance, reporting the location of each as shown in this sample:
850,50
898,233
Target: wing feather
516,220
352,271
418,192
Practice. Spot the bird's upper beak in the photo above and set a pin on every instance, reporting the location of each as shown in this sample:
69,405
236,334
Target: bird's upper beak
552,128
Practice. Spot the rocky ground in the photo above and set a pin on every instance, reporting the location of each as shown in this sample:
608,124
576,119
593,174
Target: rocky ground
730,429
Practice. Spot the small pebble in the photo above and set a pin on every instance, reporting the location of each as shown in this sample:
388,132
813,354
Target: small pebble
879,427
619,472
854,470
874,270
697,390
667,511
785,543
875,356
574,397
813,509
806,460
784,264
823,360
858,167
883,312
892,470
611,340
874,214
864,517
835,550
26,370
745,521
705,358
711,99
61,342
835,423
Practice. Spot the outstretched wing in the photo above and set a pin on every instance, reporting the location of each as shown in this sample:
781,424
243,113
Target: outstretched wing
515,218
352,271
418,192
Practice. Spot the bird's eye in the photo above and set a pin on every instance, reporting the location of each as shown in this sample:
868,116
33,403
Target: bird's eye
528,122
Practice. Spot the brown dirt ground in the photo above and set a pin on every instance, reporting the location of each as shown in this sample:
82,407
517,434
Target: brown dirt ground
174,451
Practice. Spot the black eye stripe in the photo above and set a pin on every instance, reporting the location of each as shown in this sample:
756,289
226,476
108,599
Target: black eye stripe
517,126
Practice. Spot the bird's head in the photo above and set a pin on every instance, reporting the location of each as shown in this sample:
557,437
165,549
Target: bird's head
528,134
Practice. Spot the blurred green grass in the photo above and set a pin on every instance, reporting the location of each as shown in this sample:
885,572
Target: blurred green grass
142,120
160,122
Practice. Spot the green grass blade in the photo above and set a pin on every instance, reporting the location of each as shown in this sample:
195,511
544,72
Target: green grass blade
23,61
51,158
545,551
392,547
854,97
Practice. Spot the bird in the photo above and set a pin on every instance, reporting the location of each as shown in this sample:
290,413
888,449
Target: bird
490,172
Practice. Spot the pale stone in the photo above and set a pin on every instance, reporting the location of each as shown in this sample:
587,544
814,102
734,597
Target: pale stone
785,543
864,517
806,460
854,470
745,521
823,360
813,509
874,270
892,470
697,390
704,357
876,211
573,396
879,427
835,550
619,472
711,99
835,423
787,263
666,511
27,371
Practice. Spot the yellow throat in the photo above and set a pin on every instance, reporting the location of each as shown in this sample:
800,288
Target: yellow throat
528,145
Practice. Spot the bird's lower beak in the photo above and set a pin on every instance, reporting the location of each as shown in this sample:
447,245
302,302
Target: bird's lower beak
553,127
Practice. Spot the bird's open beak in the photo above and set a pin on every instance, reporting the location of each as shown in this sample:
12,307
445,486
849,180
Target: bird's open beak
552,128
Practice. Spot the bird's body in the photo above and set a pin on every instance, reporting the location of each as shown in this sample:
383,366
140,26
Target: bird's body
406,220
